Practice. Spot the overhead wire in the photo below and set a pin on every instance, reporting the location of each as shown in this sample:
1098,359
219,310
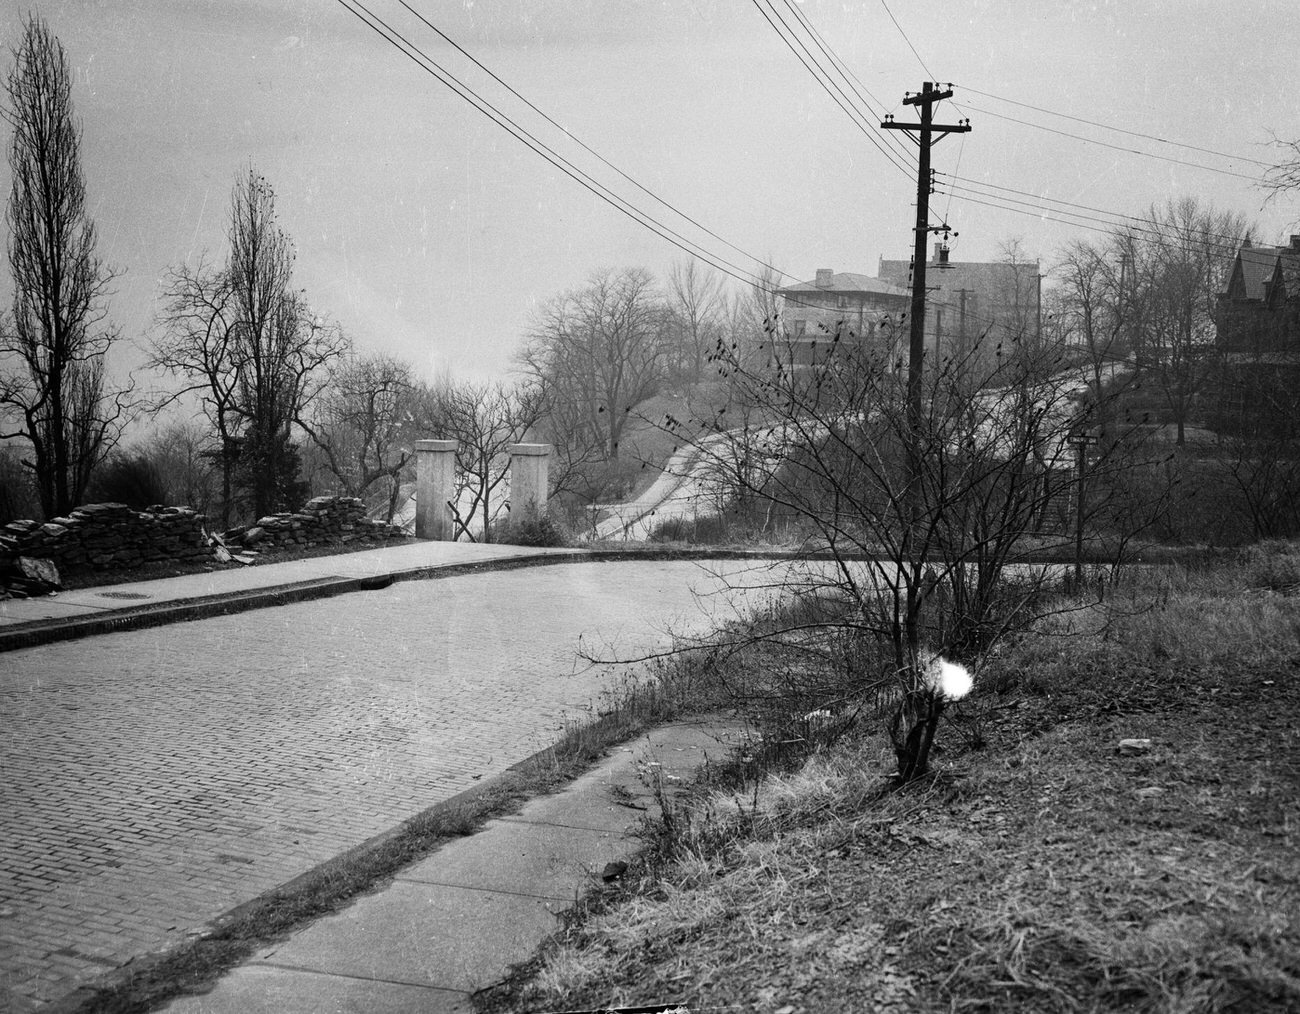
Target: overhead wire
1114,147
1037,199
582,144
852,80
1121,130
907,40
1154,236
426,63
827,83
436,70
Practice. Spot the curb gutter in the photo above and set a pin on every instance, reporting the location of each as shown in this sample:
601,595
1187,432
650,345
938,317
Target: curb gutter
39,632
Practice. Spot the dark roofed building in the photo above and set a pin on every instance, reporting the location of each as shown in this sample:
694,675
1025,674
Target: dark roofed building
1257,326
1257,315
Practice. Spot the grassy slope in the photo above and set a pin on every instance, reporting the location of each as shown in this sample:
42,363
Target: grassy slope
1041,872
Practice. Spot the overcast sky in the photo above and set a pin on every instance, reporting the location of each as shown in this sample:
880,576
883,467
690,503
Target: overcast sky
429,233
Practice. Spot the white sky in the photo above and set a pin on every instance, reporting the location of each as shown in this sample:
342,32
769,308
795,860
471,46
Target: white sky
429,233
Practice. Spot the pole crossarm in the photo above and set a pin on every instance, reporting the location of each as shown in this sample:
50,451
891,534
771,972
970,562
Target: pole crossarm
946,128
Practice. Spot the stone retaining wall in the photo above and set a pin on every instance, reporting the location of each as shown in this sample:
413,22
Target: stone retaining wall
323,519
112,536
109,536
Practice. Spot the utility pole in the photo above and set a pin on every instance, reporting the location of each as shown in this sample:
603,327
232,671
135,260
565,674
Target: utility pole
961,326
925,137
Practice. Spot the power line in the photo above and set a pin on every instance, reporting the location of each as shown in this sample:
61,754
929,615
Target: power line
435,70
839,99
854,82
1153,236
1115,147
1124,216
445,77
649,193
1122,130
907,40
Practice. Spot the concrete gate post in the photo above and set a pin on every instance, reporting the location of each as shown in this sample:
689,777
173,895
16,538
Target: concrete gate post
528,478
435,486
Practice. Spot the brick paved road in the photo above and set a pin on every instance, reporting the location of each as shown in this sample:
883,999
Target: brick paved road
151,780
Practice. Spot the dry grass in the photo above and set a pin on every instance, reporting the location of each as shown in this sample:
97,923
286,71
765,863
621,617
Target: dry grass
1044,872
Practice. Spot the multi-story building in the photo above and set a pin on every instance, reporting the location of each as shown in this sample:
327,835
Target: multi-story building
972,303
854,307
1257,323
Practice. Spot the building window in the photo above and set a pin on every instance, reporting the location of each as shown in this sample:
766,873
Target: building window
799,327
843,303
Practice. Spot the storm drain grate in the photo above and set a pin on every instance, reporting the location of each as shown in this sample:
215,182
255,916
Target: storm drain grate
122,595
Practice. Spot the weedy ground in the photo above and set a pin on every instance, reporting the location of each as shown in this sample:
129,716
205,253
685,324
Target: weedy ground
1037,869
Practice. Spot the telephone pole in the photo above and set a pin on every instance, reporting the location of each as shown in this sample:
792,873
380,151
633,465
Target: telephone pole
963,293
927,132
925,138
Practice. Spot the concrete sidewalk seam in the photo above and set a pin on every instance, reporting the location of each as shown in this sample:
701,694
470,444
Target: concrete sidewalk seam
261,963
574,899
571,827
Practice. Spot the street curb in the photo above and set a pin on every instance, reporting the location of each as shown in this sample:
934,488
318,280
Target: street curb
39,632
89,997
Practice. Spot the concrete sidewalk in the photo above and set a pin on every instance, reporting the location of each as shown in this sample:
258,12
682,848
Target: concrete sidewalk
25,623
455,922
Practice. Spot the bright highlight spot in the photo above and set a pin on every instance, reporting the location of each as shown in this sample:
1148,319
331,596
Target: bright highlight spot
953,681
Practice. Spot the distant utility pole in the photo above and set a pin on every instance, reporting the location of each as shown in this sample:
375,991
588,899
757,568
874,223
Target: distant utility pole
925,138
961,327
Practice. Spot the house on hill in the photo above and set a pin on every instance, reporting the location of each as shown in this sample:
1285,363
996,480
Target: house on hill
850,305
1257,325
992,302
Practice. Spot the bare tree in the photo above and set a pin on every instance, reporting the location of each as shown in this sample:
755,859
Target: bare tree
186,456
1018,293
597,352
1186,266
53,347
362,423
1090,312
695,304
200,345
1284,177
925,525
251,348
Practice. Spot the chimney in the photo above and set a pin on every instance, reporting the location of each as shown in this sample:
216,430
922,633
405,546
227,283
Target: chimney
824,276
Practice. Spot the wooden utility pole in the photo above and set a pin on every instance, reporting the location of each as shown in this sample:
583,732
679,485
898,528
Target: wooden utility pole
925,138
926,133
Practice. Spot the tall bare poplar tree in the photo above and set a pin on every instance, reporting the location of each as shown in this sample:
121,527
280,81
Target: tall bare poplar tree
250,347
52,348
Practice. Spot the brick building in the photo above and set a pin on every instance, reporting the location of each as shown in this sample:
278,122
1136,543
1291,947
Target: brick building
1257,324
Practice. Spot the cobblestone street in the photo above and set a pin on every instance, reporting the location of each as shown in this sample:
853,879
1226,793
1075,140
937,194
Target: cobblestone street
151,780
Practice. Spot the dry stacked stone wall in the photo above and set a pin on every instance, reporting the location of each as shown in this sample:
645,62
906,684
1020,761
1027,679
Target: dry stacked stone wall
325,519
112,536
100,536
